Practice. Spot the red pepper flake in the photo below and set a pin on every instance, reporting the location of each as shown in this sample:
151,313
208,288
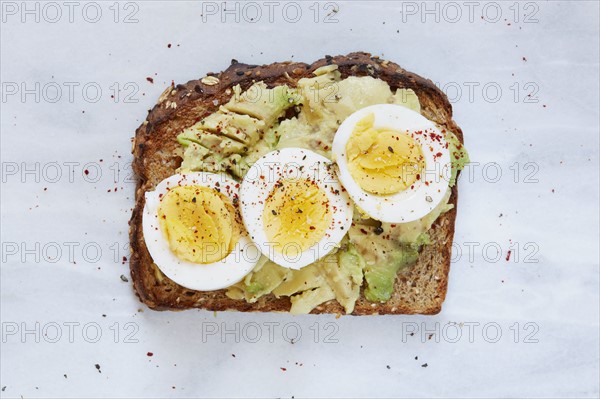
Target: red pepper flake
283,368
363,231
439,154
149,79
169,45
87,172
508,255
312,227
149,354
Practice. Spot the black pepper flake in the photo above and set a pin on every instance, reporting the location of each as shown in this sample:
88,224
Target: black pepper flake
390,149
239,73
194,200
273,212
424,365
378,230
388,367
98,368
124,279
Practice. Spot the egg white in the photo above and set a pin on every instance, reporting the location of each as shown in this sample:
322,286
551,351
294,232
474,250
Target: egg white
202,277
410,204
260,182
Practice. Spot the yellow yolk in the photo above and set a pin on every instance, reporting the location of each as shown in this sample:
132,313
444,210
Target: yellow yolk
199,224
383,161
296,216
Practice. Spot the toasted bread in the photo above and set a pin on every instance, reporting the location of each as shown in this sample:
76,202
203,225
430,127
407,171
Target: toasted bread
419,289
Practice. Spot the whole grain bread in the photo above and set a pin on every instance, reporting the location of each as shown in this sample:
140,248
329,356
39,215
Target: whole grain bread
157,154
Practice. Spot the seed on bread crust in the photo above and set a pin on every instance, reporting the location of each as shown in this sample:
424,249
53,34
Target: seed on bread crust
210,80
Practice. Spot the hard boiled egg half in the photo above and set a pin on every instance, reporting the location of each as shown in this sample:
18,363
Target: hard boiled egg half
294,207
393,162
194,232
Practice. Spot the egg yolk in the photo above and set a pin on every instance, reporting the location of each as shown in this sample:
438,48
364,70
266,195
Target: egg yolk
383,161
296,216
199,224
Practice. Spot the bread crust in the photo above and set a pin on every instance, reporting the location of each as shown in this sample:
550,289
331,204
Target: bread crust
156,155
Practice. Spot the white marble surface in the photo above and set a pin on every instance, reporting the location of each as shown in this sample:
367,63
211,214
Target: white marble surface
552,220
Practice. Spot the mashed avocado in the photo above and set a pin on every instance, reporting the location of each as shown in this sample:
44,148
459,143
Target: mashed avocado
258,121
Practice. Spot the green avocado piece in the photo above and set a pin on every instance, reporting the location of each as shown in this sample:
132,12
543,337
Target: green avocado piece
193,156
345,275
381,277
458,156
243,128
308,277
215,143
407,98
261,102
308,300
265,277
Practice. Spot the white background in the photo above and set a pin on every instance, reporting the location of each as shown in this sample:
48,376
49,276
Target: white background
549,215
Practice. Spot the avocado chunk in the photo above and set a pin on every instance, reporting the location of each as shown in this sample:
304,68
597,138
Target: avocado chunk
308,287
458,156
354,93
345,276
265,277
407,98
308,300
317,91
308,277
242,128
214,142
261,102
381,277
193,156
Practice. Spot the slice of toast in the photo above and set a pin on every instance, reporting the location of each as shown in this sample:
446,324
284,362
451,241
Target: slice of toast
156,152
